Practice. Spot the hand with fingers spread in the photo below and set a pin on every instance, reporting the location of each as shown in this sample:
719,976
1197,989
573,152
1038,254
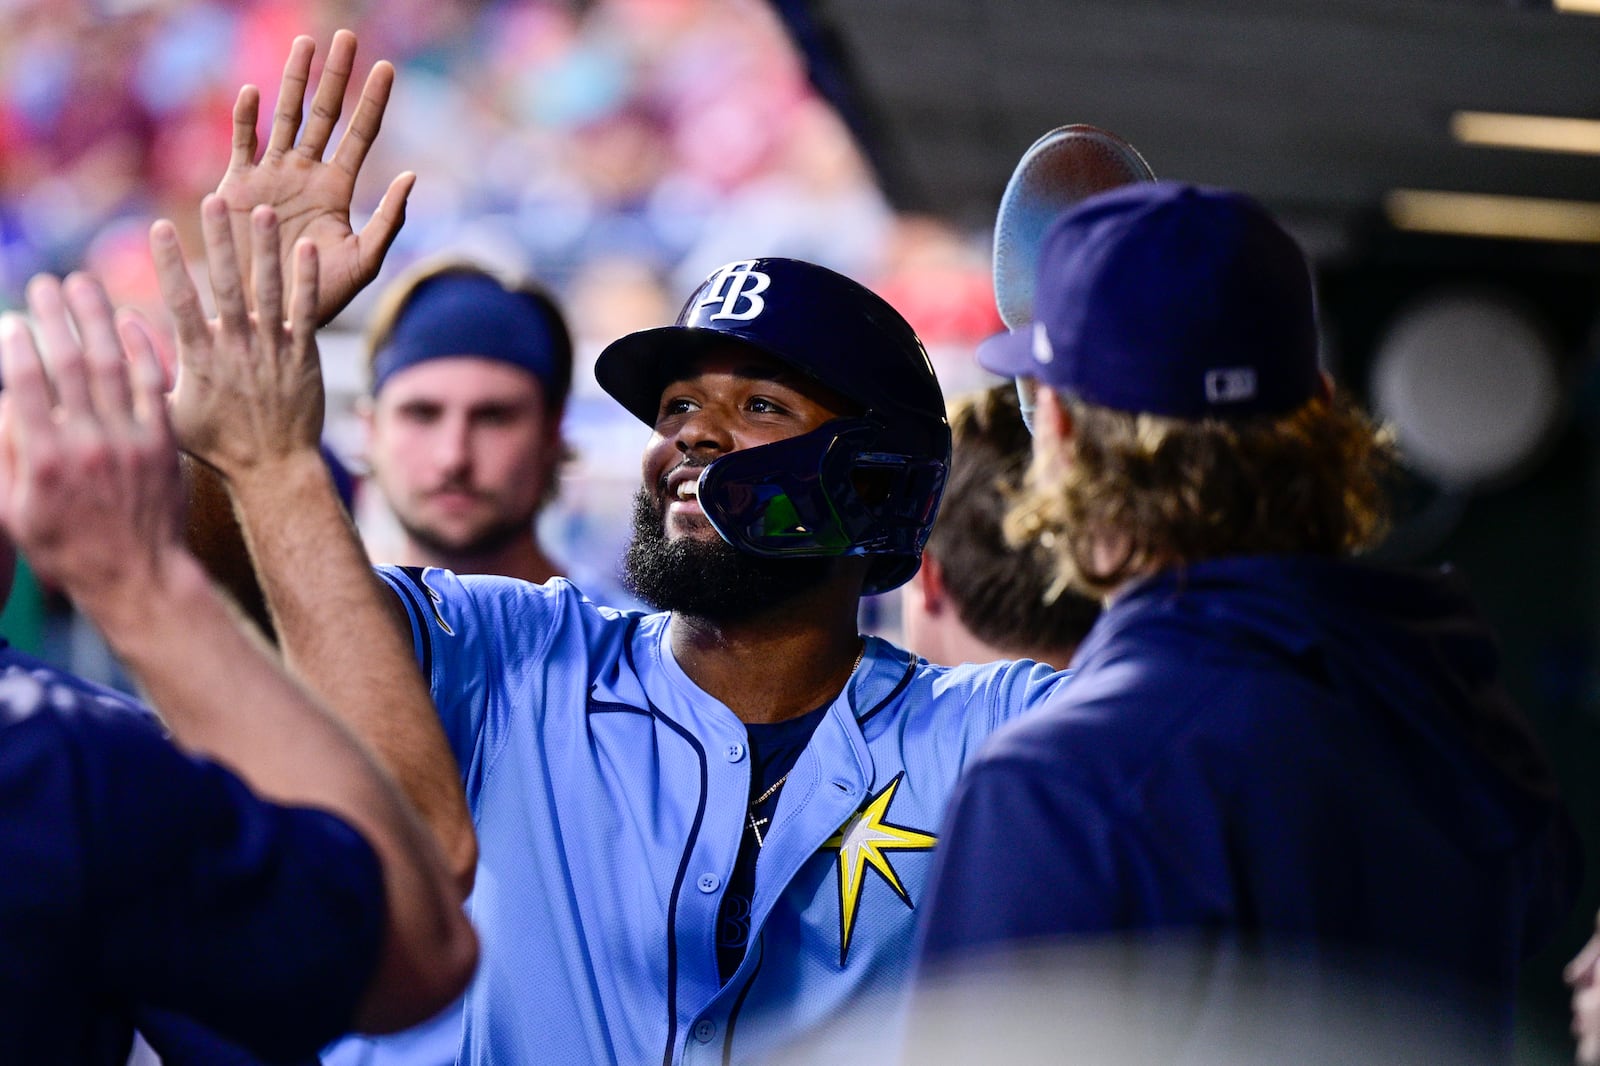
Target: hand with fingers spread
89,485
312,196
249,384
248,403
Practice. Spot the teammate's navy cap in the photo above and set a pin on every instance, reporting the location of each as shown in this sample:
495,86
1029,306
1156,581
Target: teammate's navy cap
1169,299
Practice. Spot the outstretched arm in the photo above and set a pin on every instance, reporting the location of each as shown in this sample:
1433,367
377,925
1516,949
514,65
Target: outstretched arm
249,404
312,200
89,489
310,195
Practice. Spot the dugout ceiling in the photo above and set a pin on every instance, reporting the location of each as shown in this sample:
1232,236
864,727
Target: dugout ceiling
1321,109
1341,115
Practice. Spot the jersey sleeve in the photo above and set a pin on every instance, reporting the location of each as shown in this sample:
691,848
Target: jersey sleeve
1031,685
992,694
487,646
260,922
455,648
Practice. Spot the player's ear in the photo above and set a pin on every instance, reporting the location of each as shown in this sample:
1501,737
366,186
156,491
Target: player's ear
1053,424
363,408
927,584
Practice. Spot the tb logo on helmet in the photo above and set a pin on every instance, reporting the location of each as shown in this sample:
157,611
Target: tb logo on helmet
737,282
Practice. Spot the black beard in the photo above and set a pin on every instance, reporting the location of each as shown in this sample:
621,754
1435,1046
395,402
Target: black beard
708,579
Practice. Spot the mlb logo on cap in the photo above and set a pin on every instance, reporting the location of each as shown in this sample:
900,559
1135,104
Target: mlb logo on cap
1234,385
1169,299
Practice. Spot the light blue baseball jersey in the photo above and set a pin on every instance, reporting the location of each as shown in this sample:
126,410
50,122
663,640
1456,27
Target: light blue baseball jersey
610,794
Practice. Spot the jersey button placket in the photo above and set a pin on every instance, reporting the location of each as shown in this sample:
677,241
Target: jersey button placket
704,1030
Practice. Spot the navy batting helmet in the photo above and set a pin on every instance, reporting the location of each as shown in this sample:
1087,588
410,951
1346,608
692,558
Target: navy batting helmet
868,484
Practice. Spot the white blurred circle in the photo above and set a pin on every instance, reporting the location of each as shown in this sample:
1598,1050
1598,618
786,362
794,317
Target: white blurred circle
1469,382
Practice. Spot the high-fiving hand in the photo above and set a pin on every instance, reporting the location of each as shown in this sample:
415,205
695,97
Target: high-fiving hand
310,195
249,383
89,484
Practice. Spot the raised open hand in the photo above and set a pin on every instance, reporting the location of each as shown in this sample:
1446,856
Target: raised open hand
89,485
310,196
249,384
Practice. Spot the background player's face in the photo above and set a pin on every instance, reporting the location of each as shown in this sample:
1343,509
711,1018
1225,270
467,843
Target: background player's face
727,400
463,450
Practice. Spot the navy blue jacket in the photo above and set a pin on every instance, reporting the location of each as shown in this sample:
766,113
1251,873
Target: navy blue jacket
142,887
1299,753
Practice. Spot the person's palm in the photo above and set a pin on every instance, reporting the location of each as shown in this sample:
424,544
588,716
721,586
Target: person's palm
248,386
311,196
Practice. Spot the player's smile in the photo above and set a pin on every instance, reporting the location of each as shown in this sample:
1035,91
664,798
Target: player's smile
682,493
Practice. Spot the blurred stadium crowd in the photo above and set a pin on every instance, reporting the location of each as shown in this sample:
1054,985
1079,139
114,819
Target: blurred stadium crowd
618,151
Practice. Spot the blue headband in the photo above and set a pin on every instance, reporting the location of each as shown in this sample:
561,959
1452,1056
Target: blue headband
472,315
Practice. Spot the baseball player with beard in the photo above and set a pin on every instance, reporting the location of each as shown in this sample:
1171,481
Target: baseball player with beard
703,831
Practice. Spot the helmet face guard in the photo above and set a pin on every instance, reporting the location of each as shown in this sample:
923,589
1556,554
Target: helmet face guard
836,491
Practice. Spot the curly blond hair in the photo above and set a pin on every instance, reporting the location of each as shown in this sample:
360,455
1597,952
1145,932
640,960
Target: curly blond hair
1151,491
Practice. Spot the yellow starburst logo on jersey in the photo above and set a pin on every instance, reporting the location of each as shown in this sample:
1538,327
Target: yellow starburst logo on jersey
865,841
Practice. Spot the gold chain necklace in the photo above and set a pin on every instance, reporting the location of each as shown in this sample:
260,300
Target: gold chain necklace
757,823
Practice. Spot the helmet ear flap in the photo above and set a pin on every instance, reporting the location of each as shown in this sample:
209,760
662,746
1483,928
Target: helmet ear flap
774,500
906,496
